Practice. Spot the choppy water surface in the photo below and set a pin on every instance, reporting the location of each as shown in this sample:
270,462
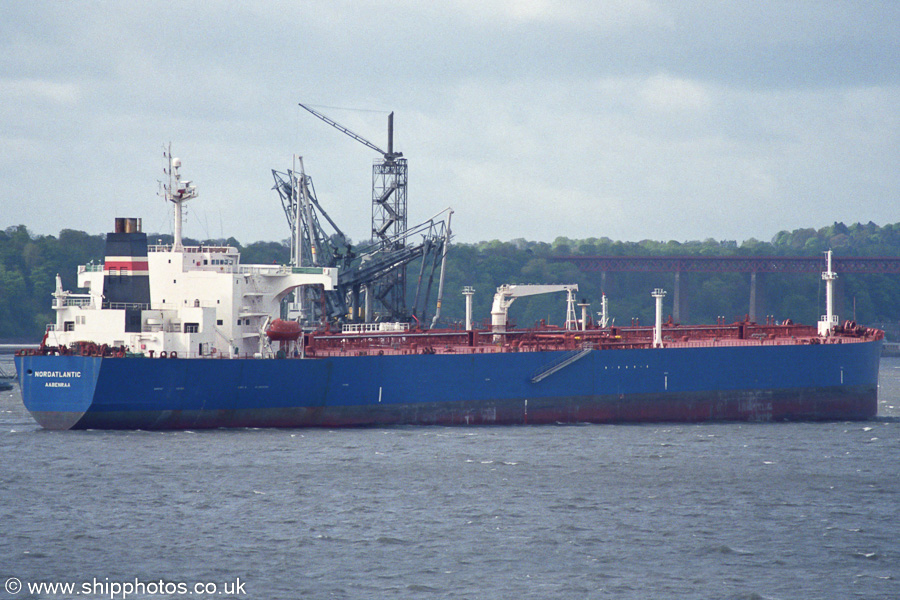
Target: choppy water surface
806,510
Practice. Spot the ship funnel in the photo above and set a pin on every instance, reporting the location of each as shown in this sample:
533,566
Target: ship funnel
127,225
126,276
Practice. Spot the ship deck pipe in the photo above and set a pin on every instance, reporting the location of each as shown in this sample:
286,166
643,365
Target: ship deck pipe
829,277
354,304
468,291
446,247
829,320
658,294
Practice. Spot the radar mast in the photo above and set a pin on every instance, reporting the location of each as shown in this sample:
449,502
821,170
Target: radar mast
176,191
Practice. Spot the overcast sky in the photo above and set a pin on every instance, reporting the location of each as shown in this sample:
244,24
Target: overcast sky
532,119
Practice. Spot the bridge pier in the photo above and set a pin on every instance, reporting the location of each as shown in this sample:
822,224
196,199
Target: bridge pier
677,299
753,298
756,266
840,306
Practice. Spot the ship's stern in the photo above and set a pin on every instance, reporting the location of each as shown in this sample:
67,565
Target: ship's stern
57,390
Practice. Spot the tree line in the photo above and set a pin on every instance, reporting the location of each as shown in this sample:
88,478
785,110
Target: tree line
29,264
870,298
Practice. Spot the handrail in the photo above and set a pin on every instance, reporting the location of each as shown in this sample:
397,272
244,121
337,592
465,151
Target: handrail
562,362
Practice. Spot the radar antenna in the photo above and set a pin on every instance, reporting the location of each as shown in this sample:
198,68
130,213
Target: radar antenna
176,191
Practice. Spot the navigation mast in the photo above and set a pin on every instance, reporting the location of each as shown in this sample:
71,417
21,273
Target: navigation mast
176,191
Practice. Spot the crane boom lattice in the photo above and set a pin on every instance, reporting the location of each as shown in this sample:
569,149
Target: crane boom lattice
389,214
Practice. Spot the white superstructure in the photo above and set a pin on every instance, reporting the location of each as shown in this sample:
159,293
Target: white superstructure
201,301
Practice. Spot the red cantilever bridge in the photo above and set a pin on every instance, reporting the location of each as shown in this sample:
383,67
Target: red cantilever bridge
729,264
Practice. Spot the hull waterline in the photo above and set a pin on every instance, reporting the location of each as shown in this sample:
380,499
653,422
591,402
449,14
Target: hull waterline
755,383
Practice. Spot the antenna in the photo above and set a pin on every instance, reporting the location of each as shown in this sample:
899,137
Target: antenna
176,191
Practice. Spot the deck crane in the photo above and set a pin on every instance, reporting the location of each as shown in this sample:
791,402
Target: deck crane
359,266
507,294
389,220
388,181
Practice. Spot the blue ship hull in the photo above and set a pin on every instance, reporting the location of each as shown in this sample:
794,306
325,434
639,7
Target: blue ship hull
758,383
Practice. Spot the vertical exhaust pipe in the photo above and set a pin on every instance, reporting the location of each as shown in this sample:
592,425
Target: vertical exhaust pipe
658,294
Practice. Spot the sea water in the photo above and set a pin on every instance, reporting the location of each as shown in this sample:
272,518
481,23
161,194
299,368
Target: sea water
735,510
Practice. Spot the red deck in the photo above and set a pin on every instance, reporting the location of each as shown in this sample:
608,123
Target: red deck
453,341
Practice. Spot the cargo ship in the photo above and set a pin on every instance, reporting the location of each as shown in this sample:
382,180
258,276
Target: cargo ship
169,336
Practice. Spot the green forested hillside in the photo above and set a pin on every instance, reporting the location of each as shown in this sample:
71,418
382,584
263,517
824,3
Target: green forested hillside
708,295
28,265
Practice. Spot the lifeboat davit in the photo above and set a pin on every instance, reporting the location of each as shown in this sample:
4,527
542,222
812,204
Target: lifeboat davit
283,331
